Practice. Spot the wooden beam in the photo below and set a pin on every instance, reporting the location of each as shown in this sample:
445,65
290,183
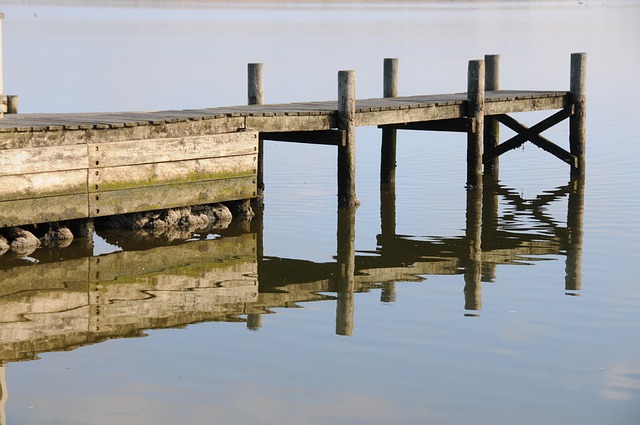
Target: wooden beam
319,137
458,125
525,133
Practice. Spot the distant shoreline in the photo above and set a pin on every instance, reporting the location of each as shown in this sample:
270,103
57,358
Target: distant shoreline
216,2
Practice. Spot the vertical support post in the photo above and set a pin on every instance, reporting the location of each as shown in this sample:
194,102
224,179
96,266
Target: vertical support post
473,266
388,148
491,125
347,153
578,121
256,97
346,270
575,220
1,67
475,100
255,84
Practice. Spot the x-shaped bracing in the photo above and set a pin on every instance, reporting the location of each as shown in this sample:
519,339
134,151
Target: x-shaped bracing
532,134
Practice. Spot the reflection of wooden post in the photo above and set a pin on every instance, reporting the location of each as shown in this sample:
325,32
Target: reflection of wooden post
387,215
578,121
575,218
473,267
257,227
347,153
3,389
475,101
388,148
491,125
254,321
346,270
388,294
490,206
255,89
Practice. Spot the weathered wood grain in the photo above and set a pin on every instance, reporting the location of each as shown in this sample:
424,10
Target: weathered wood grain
43,210
40,185
170,196
174,172
36,160
172,149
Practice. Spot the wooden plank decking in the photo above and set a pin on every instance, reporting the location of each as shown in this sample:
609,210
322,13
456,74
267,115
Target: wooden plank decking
307,116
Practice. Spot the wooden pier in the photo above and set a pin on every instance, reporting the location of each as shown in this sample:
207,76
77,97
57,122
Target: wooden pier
57,167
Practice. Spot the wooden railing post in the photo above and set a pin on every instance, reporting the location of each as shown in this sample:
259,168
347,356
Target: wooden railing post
491,125
475,98
256,97
578,121
347,153
388,148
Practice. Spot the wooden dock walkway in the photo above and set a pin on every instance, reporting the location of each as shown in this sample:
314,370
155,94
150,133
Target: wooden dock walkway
56,167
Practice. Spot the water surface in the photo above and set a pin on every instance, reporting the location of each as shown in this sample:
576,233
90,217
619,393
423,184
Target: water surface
287,320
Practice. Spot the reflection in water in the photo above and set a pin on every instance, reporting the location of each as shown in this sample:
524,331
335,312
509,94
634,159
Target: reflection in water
60,303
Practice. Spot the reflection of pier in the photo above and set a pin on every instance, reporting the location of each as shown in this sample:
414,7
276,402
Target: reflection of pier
58,305
64,304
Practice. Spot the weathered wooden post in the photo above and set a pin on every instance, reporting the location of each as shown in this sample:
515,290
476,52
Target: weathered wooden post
491,125
256,97
1,70
347,153
346,270
575,221
578,121
255,86
475,100
388,149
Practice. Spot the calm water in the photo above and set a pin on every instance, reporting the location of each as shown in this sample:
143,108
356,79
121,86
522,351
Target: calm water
259,324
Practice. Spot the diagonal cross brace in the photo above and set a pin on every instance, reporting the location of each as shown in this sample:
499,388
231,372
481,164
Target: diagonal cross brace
532,134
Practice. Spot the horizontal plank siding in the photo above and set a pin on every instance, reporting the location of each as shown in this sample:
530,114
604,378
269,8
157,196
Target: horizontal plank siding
41,185
132,152
42,159
147,175
43,210
170,196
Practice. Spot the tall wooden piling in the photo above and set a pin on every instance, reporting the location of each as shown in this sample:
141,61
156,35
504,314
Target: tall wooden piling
578,121
347,152
388,148
255,91
1,66
475,98
491,125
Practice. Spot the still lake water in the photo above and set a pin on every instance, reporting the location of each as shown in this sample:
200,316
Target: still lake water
253,325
